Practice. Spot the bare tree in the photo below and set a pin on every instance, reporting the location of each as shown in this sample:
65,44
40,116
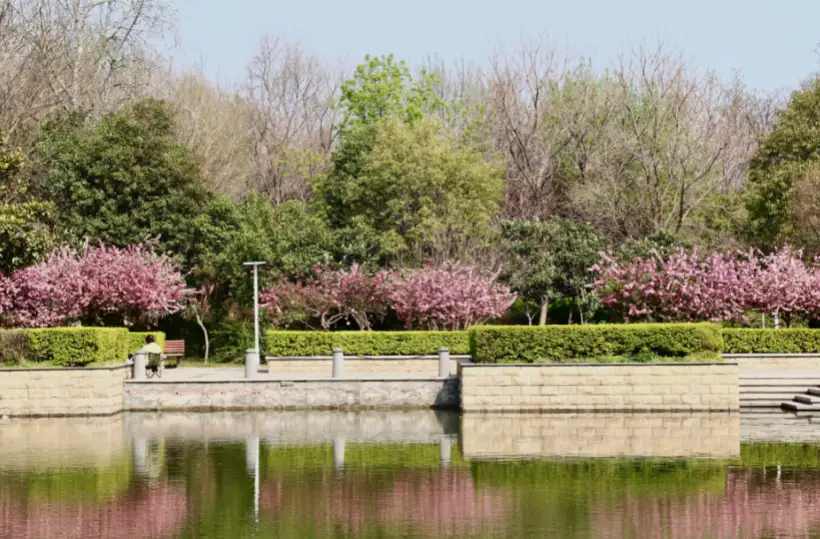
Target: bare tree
292,118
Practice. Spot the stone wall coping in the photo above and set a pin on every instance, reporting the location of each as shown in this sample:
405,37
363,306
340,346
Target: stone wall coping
352,356
751,355
280,381
470,364
62,369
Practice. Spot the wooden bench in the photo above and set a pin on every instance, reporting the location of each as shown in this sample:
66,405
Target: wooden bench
174,351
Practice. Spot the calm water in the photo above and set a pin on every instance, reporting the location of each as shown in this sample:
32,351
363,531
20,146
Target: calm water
409,475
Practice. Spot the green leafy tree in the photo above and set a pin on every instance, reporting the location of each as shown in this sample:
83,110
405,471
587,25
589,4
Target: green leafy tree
550,260
784,157
421,193
25,225
123,180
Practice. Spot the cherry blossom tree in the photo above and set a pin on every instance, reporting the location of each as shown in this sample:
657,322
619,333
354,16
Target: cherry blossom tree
448,297
95,285
724,286
331,296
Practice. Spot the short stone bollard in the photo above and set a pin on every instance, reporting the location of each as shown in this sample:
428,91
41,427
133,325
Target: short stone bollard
140,364
338,363
251,363
443,362
445,449
339,453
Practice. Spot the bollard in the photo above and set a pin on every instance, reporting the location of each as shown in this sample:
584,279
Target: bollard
339,453
445,448
443,362
140,363
251,455
251,363
338,363
140,448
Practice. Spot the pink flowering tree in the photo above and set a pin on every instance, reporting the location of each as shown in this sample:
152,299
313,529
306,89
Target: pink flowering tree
352,296
448,297
724,286
95,285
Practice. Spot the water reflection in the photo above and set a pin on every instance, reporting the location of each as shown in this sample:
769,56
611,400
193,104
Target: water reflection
406,474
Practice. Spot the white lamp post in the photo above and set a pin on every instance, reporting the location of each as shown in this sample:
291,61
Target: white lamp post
255,266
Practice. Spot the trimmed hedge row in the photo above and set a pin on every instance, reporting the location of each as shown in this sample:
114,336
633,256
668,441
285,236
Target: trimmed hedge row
771,341
638,342
366,343
67,347
78,346
136,339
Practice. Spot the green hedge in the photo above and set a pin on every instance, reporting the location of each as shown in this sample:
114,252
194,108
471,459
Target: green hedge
366,343
136,339
771,341
78,346
631,342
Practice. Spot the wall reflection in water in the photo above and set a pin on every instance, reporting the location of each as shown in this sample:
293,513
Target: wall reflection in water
402,474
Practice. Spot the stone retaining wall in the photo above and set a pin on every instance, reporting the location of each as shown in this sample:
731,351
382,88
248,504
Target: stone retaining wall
775,362
292,394
661,435
62,392
599,387
278,366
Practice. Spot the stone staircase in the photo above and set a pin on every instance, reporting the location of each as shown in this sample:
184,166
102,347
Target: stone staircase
793,391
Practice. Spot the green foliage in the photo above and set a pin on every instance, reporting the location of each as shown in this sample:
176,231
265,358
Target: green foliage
15,347
640,342
361,456
418,191
231,339
783,155
370,343
25,234
123,180
771,341
795,455
551,260
136,339
78,346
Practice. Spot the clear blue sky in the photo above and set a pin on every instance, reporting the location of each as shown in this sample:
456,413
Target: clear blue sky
771,43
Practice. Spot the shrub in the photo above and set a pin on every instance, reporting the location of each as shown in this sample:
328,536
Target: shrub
78,346
366,343
136,339
771,341
546,344
15,347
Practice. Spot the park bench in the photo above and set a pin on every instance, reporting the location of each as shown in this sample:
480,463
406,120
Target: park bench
174,351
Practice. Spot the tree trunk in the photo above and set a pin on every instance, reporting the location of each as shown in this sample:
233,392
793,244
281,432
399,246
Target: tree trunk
205,335
542,317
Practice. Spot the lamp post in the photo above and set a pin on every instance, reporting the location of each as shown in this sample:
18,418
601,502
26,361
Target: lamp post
255,266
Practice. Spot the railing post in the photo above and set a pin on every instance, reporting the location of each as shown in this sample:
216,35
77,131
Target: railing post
140,362
443,362
251,363
339,453
338,363
445,448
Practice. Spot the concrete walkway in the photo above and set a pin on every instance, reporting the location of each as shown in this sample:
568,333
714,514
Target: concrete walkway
221,374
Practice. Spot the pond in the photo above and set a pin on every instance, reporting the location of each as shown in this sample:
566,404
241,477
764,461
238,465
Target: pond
414,474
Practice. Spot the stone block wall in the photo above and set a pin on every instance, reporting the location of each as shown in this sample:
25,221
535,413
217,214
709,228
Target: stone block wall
277,366
775,362
343,393
599,387
62,392
660,435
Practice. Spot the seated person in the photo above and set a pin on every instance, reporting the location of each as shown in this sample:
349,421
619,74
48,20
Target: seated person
151,347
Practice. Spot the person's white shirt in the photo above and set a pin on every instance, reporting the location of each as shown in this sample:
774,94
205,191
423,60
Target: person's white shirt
152,348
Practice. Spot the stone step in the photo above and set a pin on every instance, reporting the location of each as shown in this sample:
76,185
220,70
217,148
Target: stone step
774,403
807,399
767,382
800,407
762,390
768,398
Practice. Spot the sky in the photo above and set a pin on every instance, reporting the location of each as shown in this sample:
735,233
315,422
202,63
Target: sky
772,44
